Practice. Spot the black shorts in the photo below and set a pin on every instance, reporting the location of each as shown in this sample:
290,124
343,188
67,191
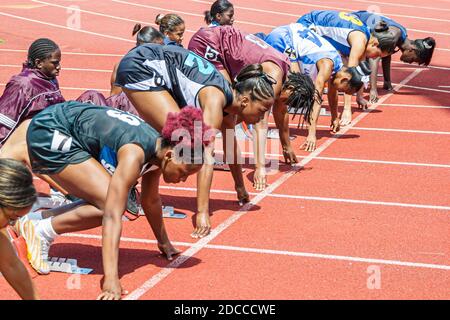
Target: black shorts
50,144
180,72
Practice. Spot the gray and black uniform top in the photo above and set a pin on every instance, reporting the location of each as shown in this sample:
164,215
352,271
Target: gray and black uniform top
155,67
73,132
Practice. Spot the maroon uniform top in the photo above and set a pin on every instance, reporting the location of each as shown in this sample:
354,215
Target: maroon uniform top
231,49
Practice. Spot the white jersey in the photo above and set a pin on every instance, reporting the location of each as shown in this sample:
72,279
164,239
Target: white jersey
305,47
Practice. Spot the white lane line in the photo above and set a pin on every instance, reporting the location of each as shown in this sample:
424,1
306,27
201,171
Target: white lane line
121,55
64,69
398,130
305,4
325,199
154,280
187,13
380,129
73,88
397,163
298,16
278,252
429,32
413,106
426,88
312,198
69,53
105,15
401,5
66,28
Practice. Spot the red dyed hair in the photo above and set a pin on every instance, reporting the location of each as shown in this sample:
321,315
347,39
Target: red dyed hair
187,119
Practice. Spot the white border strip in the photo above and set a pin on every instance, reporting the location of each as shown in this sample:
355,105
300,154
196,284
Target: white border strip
68,53
64,69
277,252
305,4
73,88
186,13
326,199
378,129
155,279
398,163
66,28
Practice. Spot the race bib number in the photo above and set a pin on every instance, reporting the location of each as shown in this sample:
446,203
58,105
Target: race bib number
204,66
211,54
61,142
125,117
349,17
259,42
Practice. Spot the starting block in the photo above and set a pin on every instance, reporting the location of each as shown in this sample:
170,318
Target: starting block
168,212
323,112
66,265
221,166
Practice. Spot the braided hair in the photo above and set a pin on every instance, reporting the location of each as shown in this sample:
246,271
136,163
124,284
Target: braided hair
303,95
253,79
40,49
424,49
146,34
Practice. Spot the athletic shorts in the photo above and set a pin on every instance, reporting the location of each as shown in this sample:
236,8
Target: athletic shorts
50,143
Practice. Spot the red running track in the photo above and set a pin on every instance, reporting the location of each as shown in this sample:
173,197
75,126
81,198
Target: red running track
373,198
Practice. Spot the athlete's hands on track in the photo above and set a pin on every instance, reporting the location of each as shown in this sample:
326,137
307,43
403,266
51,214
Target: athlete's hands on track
202,225
168,250
289,156
373,96
335,125
112,290
362,103
259,179
310,143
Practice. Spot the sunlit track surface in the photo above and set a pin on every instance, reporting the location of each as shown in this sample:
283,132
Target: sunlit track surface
374,197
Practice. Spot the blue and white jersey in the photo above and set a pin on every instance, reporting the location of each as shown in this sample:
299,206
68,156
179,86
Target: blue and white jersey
335,26
305,47
371,19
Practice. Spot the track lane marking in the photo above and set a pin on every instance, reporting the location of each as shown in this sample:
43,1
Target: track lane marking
155,279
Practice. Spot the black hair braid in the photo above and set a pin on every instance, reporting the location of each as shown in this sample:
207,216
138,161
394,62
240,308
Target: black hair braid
303,95
252,78
40,49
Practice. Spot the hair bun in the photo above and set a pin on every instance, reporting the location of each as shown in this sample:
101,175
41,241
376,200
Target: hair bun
382,26
137,28
429,43
159,18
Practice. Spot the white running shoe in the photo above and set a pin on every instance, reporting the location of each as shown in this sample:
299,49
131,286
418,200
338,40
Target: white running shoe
37,246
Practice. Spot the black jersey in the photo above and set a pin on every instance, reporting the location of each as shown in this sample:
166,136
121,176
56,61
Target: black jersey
154,67
72,132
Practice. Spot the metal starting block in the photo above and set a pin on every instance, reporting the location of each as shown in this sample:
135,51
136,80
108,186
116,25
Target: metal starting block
323,112
66,265
169,212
